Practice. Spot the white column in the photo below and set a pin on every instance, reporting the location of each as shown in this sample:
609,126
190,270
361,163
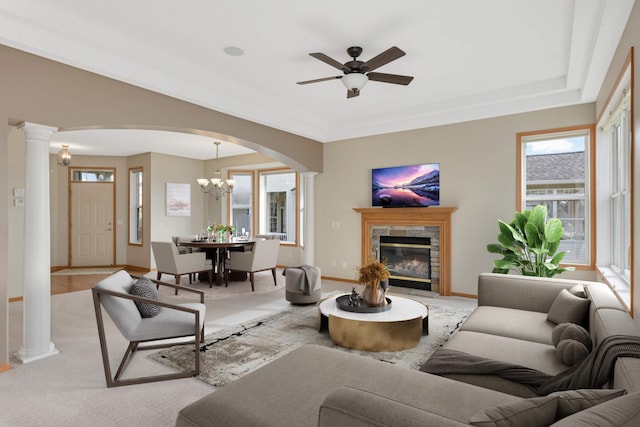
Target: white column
37,247
309,217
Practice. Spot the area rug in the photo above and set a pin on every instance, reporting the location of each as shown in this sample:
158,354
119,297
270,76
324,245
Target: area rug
230,354
263,284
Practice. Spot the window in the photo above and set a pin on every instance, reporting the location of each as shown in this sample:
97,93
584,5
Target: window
241,202
135,206
620,189
614,174
92,175
555,171
278,204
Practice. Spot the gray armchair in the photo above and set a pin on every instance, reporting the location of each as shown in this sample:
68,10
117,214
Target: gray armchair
170,322
263,256
170,261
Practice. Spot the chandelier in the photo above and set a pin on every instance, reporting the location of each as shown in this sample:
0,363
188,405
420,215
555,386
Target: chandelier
216,185
64,157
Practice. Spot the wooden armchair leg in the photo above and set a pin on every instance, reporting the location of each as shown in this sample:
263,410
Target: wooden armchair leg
273,273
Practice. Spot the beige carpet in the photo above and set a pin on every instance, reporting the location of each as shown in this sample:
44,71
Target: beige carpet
230,354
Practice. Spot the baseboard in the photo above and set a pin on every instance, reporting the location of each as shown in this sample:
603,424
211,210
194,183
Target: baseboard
5,367
461,294
339,279
14,299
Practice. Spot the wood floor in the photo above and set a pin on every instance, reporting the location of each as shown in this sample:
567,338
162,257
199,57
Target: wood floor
80,282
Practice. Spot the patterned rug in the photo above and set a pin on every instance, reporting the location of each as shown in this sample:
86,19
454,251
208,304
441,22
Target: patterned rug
230,354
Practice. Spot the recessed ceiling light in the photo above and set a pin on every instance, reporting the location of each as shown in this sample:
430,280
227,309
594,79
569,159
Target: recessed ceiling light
233,51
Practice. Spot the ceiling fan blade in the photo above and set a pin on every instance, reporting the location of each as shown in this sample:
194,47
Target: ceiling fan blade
327,60
390,78
352,93
319,80
385,57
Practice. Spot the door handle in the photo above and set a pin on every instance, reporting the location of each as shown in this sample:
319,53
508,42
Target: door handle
108,229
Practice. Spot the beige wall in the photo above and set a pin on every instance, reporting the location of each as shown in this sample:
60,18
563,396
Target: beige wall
477,171
170,169
629,39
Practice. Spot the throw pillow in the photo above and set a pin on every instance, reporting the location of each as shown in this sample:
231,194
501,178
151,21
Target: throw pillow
572,401
538,411
571,352
145,288
578,290
571,331
622,411
568,308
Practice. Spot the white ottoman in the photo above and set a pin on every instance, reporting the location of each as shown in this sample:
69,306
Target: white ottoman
295,283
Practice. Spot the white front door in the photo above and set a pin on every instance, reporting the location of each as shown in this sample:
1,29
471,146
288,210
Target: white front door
92,225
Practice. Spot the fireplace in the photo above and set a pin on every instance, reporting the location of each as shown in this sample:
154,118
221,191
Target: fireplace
433,222
408,260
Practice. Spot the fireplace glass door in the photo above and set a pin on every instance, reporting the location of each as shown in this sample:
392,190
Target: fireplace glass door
408,260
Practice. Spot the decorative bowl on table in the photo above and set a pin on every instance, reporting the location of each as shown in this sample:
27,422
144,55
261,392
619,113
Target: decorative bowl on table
343,303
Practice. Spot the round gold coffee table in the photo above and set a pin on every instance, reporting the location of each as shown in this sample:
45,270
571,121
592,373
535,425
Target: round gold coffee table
398,328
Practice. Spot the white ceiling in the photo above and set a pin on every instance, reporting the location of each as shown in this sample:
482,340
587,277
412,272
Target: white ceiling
470,59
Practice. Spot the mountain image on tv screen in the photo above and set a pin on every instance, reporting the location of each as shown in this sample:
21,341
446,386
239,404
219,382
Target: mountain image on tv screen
406,186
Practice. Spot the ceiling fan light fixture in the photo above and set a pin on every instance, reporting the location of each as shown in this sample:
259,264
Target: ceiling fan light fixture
354,81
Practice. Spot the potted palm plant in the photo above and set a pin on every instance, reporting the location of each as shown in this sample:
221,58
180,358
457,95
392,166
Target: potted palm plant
529,244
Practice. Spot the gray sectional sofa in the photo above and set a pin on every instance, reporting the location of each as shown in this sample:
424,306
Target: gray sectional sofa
317,386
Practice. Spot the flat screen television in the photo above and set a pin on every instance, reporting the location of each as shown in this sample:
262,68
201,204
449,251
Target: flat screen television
406,186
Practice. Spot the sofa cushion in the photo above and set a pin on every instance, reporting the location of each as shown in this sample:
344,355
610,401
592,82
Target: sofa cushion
145,288
621,411
522,324
572,401
565,331
571,352
568,308
538,411
519,352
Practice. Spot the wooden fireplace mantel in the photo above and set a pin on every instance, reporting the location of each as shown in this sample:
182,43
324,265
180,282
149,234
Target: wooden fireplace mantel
434,216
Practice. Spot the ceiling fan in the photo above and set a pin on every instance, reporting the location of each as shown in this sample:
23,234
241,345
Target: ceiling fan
357,73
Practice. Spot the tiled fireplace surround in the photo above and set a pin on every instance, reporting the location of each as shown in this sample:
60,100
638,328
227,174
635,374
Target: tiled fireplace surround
432,222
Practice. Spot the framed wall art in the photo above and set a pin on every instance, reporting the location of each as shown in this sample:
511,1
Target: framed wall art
178,199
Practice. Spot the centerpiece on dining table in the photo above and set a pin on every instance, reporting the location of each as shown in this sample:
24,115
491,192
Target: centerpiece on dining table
224,232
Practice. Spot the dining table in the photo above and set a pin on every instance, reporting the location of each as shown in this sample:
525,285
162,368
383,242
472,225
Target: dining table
218,252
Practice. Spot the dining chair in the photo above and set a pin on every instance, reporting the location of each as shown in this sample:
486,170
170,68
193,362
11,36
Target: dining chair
129,310
170,261
262,256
